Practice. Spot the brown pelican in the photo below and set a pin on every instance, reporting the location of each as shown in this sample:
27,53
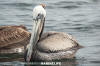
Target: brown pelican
12,37
50,45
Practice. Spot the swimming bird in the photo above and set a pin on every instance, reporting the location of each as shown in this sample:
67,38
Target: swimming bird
12,37
50,45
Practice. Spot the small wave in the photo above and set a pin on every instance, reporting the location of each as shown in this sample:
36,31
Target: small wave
80,28
70,4
70,7
95,61
17,4
64,2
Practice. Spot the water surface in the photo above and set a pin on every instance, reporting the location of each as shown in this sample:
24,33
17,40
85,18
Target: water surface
80,18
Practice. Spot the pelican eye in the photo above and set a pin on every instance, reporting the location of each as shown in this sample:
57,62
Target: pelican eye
40,16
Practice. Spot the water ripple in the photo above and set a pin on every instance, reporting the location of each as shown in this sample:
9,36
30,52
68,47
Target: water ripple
16,4
80,18
70,7
70,4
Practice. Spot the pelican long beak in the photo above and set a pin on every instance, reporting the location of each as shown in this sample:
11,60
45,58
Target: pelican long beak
36,32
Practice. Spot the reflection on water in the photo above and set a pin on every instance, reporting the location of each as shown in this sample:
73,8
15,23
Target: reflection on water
79,18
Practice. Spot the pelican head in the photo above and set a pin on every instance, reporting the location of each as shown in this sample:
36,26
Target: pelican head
39,14
43,5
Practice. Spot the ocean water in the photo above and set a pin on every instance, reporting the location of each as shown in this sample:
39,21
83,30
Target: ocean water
80,18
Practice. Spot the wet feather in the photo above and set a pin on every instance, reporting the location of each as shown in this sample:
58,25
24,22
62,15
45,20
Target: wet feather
10,35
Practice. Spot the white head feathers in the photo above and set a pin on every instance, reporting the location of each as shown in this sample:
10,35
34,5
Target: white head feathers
39,10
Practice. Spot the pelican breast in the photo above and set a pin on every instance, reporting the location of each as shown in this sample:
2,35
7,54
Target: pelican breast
56,41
